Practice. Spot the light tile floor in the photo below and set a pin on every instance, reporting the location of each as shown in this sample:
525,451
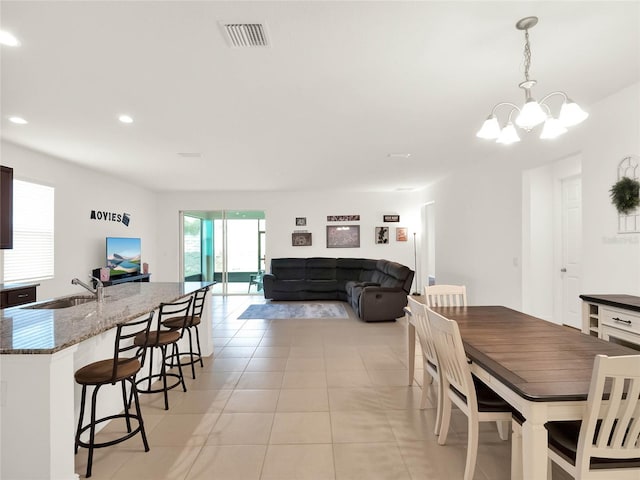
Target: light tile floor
297,399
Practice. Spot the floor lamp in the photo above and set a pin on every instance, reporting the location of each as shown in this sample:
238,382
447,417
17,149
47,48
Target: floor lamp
415,265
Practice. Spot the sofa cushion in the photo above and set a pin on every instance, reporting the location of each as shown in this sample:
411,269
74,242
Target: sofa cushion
348,268
289,268
321,268
282,286
368,271
402,275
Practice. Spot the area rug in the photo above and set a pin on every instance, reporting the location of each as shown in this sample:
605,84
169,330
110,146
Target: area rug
271,311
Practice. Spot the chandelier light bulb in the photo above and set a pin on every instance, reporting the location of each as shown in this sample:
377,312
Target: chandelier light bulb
553,128
508,135
531,115
571,114
490,128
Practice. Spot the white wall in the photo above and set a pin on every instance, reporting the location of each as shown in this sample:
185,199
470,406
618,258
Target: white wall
477,232
281,210
80,241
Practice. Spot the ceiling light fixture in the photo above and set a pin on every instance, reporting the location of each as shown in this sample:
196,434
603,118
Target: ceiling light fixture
125,119
8,39
532,113
18,120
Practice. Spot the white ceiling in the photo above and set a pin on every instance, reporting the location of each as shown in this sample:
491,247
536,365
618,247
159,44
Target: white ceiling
342,85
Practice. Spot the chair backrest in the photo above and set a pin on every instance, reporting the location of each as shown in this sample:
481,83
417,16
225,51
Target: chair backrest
446,295
123,344
174,310
419,319
453,360
197,305
611,424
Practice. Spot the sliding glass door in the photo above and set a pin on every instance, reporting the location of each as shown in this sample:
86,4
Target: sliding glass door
225,246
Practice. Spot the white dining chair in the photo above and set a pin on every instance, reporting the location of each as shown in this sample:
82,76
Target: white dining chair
445,295
430,372
605,444
476,400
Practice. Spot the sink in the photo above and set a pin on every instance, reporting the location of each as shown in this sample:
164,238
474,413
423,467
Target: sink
65,302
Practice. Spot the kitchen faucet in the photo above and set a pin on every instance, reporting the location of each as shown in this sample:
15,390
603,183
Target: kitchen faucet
98,292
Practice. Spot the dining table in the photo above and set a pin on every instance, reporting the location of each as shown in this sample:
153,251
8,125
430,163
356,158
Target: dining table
541,369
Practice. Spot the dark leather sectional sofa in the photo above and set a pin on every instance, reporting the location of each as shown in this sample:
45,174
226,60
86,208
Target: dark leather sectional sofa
376,289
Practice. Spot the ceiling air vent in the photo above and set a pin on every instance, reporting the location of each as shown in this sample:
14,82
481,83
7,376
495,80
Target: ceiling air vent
243,35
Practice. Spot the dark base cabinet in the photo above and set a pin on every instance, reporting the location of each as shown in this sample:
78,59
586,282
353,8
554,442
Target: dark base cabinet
6,207
14,296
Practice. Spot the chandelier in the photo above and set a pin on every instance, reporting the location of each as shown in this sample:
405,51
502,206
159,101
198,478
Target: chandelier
532,113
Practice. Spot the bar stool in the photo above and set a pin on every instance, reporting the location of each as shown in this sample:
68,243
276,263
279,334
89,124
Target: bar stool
162,339
194,319
117,369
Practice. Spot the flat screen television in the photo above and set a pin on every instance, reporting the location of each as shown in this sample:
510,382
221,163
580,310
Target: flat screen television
123,256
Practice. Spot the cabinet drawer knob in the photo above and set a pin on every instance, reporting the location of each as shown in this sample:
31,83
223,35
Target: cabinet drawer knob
23,295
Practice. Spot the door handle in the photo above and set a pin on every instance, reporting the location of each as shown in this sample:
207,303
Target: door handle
563,270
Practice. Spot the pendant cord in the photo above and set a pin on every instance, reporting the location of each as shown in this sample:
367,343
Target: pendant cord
527,55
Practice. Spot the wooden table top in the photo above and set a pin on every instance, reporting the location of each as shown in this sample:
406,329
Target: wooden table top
539,360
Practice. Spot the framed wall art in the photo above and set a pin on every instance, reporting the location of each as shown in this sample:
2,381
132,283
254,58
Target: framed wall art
401,234
382,235
301,221
391,218
344,236
343,218
301,239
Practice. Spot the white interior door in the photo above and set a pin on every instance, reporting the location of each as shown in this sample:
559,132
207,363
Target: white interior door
571,261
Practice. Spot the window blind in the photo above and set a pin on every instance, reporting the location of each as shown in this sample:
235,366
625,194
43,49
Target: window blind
33,233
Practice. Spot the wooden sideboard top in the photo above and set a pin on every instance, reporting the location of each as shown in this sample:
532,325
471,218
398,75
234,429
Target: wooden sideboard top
627,302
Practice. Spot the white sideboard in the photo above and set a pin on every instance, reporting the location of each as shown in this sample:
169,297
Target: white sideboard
615,318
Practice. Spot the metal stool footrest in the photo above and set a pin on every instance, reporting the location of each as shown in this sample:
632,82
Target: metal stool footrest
129,434
161,389
172,362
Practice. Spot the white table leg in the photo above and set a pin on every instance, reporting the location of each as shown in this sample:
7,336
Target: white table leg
534,444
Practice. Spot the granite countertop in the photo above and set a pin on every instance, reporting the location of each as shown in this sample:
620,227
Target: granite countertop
25,330
627,302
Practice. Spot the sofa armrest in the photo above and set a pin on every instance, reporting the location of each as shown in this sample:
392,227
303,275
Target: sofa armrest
382,303
268,281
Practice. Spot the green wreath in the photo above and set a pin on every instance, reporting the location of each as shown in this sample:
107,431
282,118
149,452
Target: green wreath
625,195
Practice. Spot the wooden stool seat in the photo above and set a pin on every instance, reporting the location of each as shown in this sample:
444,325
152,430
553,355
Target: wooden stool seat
157,338
102,372
176,322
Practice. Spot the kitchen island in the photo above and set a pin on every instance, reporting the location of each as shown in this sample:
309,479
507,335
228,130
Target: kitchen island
41,348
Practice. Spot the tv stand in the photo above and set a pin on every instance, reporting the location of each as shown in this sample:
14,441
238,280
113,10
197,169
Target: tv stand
143,277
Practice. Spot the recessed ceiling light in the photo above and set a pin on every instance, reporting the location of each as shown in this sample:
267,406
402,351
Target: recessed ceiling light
125,119
398,155
18,120
405,189
7,38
